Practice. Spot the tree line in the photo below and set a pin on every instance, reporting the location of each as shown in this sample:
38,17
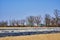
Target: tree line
35,21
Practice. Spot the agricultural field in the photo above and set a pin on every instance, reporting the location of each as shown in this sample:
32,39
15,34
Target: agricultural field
20,31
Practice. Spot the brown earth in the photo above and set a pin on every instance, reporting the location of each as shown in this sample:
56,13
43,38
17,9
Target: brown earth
54,36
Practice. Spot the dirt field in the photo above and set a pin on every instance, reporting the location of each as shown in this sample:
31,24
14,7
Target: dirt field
54,36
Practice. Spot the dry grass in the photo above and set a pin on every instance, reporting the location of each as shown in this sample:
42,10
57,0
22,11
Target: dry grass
55,36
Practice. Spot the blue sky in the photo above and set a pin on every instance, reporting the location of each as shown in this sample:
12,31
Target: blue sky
20,9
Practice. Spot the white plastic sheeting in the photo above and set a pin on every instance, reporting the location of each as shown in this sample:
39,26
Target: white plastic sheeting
28,29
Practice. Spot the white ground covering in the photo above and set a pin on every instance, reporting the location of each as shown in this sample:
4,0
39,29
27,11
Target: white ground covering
27,29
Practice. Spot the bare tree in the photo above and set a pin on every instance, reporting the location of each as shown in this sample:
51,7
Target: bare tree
47,19
22,22
30,20
4,23
17,22
57,15
12,23
59,22
37,20
53,21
